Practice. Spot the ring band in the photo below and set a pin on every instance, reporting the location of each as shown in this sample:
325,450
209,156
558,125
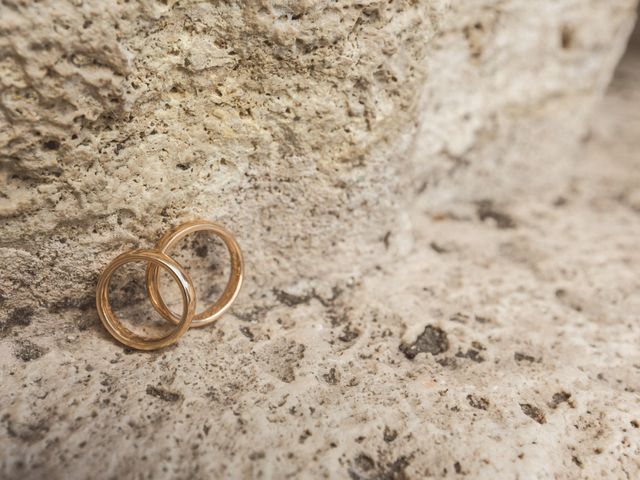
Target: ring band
122,333
231,290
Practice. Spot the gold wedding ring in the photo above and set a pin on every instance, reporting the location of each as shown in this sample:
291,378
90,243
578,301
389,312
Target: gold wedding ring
122,333
230,292
156,259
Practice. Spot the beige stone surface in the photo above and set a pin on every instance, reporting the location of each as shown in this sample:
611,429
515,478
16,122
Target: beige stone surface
442,281
283,121
300,125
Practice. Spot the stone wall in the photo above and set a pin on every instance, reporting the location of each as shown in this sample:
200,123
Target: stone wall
437,287
305,127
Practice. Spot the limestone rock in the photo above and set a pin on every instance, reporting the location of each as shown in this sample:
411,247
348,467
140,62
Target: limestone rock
305,127
436,287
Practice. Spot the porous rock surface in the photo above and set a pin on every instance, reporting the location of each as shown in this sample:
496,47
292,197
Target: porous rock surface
436,285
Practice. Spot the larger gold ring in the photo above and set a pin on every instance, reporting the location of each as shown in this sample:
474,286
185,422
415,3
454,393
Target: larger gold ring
122,333
234,283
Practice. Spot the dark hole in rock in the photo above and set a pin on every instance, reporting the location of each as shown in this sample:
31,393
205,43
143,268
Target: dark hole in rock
247,333
566,37
28,351
20,317
349,334
533,412
432,340
332,377
364,462
471,354
51,145
480,403
486,211
163,394
389,435
523,357
560,397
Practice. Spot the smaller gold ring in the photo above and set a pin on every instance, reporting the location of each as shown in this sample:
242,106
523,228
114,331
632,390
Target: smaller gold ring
122,333
234,283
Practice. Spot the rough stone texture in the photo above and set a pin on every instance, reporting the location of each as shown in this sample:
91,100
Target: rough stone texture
524,78
492,333
300,125
283,122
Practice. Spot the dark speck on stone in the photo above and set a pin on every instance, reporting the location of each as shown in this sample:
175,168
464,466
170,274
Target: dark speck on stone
364,462
247,333
20,317
202,250
432,340
459,317
306,434
448,362
67,303
28,351
51,145
560,202
30,433
163,394
486,211
480,403
395,470
253,456
533,412
471,354
523,357
560,397
481,319
438,248
389,435
385,240
349,334
289,299
332,377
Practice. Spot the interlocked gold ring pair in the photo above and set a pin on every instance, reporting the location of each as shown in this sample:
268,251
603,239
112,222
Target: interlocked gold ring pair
157,258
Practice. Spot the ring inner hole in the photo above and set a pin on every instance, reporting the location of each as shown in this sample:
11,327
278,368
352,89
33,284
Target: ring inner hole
130,303
205,257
